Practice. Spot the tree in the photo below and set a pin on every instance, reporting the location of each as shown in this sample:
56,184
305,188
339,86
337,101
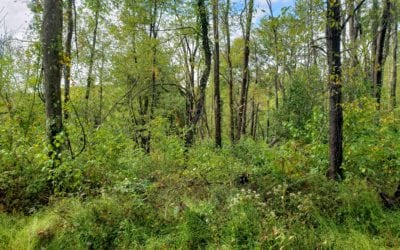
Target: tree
52,58
68,46
90,80
394,70
52,67
217,96
230,70
379,53
241,125
333,36
274,29
199,109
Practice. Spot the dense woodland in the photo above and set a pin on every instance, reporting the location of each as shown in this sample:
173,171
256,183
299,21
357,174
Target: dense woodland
201,124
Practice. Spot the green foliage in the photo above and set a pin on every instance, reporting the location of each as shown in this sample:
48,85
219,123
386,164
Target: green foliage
243,226
371,141
302,101
23,178
197,230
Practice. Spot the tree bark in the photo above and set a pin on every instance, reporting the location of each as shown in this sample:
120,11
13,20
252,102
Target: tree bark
68,63
374,32
393,84
241,125
333,34
217,95
52,66
89,81
276,76
352,33
230,72
199,109
153,36
189,53
379,56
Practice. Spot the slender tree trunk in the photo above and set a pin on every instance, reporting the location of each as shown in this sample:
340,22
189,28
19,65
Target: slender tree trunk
254,119
189,54
267,130
230,71
153,37
99,117
199,109
68,64
217,95
374,32
353,34
276,76
379,57
333,33
241,126
394,73
313,56
89,81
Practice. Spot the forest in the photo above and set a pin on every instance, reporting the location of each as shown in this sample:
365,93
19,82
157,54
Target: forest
201,124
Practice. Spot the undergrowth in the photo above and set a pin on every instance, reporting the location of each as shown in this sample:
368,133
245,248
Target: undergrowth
247,196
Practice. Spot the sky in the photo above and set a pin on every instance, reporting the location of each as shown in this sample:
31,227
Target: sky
15,15
261,7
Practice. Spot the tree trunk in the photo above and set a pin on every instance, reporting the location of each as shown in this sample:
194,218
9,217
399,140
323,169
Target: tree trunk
199,109
52,52
217,96
89,81
99,117
379,56
52,70
153,37
276,76
241,126
189,54
230,72
393,84
68,64
374,32
333,33
352,33
254,119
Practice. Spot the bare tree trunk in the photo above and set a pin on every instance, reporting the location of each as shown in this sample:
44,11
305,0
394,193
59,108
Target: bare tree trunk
241,125
267,130
374,31
230,72
333,33
190,53
199,109
352,33
89,81
276,76
393,84
68,64
254,119
217,95
99,116
153,36
379,57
